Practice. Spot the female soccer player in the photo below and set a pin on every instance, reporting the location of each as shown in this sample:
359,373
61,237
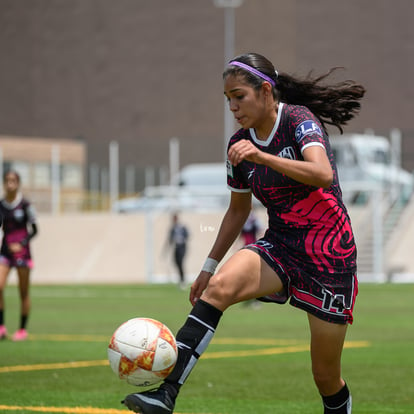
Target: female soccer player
307,255
19,226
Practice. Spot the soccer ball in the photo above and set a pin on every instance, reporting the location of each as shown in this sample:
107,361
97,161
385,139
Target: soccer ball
142,351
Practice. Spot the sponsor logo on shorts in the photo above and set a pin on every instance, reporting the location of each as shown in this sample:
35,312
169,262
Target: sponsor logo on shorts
265,244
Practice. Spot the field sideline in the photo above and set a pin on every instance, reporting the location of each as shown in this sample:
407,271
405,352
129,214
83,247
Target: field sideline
258,362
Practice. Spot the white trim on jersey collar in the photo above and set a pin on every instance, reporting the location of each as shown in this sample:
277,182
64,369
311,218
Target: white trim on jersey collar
14,203
272,133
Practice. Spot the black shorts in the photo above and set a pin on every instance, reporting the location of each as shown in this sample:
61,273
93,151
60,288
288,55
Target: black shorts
13,261
330,297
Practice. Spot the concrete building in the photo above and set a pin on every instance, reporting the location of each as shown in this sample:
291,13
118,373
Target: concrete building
52,171
140,72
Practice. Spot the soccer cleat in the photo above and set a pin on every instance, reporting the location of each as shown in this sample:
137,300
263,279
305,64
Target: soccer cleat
3,332
20,335
156,401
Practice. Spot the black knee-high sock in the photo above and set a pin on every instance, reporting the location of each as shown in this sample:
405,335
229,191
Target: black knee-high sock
23,321
1,317
339,403
192,340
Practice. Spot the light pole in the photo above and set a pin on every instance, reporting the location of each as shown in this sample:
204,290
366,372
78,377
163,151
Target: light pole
229,7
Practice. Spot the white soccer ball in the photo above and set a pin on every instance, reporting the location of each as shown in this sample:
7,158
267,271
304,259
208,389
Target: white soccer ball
142,351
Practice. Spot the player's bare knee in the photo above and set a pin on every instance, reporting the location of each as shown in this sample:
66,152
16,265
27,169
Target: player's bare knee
325,380
219,290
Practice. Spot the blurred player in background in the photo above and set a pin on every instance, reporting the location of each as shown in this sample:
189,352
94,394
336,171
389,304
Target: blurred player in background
177,239
251,229
248,235
308,255
19,226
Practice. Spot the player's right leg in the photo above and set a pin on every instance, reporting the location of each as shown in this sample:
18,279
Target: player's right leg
244,276
4,271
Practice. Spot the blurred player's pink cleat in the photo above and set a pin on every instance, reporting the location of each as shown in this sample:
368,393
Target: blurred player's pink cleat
20,335
3,332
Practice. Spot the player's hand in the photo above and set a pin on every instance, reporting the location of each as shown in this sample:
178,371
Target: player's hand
15,247
244,150
197,288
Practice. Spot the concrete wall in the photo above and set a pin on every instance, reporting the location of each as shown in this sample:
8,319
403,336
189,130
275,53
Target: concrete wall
141,72
111,248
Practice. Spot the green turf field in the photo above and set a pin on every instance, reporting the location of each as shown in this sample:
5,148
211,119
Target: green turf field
258,362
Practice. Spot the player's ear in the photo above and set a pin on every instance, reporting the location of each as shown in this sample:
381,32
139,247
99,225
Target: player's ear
267,89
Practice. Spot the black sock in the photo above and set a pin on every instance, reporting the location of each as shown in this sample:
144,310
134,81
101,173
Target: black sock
1,317
192,340
339,403
23,321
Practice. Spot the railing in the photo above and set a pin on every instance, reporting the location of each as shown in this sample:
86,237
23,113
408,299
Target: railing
375,228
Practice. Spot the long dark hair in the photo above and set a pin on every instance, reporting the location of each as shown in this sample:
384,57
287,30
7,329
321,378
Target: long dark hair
333,104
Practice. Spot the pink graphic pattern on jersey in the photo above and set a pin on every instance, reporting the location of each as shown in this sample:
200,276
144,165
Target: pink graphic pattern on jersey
330,234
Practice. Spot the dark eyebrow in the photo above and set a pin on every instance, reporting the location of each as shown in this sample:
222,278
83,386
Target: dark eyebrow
233,90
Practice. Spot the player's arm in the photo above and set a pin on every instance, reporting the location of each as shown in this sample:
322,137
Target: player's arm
314,170
33,230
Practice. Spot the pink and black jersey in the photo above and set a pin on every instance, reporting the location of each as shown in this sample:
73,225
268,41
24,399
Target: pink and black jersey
309,225
16,217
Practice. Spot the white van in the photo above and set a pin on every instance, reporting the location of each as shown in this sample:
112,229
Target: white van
197,187
364,162
203,175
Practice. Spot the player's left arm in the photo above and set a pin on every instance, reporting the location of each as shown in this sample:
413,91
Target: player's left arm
32,231
315,168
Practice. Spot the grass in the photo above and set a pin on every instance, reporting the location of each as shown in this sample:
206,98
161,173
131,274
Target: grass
250,367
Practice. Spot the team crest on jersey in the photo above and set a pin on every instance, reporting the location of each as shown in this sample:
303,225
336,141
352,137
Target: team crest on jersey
229,168
306,128
18,214
287,152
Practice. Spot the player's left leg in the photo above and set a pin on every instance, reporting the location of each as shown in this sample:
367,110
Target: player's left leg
179,260
23,274
327,340
244,276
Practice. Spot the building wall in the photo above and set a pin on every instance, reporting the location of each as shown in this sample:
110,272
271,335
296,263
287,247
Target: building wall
34,158
36,149
113,248
140,72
